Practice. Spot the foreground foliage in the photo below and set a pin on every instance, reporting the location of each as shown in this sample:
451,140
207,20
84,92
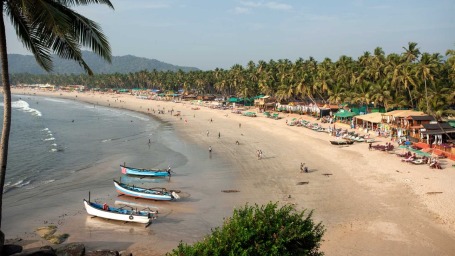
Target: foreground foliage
265,230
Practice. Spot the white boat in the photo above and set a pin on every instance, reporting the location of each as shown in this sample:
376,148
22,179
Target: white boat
160,194
112,213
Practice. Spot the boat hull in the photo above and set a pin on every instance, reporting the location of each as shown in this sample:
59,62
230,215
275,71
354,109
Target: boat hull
144,172
124,189
122,215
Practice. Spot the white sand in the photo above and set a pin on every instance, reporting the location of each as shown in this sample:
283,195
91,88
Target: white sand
371,204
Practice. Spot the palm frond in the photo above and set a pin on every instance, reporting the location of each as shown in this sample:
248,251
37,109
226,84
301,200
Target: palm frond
50,26
84,2
25,34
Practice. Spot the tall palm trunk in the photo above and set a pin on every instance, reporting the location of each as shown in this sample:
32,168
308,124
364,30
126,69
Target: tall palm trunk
426,98
6,112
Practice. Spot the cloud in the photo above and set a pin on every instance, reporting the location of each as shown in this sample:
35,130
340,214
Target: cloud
241,10
267,5
278,6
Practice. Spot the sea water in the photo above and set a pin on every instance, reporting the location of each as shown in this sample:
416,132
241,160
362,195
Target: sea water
60,149
52,138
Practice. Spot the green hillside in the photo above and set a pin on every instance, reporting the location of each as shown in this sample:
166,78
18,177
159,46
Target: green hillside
120,64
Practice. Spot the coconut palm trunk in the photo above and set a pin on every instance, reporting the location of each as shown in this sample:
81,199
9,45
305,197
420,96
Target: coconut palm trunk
45,27
6,110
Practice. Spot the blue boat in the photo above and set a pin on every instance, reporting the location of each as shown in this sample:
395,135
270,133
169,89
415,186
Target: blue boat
146,172
160,194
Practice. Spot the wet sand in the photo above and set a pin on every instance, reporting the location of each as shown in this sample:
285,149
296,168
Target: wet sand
369,201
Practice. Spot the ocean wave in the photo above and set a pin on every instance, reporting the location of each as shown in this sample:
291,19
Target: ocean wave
143,118
48,139
45,129
54,144
24,106
58,149
21,183
106,140
56,100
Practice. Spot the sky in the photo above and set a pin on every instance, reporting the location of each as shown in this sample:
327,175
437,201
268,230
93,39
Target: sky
210,34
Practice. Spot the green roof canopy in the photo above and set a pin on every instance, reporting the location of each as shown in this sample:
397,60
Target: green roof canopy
345,114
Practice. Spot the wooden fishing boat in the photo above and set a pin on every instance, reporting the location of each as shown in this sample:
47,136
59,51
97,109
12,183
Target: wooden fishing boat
145,172
160,194
342,142
113,213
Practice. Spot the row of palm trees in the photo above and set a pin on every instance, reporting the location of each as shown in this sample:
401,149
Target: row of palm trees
413,79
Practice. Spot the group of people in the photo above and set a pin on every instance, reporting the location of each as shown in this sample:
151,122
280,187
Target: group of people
303,168
259,154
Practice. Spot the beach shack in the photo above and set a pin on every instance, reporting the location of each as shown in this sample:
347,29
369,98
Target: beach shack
264,102
344,116
327,109
415,124
369,121
395,124
440,137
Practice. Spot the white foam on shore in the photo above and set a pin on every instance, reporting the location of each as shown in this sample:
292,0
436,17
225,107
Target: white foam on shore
56,100
25,107
51,138
17,184
48,181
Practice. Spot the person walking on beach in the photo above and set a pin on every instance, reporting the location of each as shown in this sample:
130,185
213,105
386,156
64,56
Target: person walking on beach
370,146
240,125
219,135
207,133
211,120
301,167
210,149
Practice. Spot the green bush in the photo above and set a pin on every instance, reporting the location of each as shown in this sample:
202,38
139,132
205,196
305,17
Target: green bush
265,230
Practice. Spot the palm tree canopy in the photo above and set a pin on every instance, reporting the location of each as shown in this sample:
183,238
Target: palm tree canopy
51,26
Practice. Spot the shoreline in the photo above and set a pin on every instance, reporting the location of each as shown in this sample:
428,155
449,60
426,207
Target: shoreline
370,203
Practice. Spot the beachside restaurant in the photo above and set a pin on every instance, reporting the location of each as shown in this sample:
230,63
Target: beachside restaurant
264,103
395,124
415,124
369,121
440,137
344,116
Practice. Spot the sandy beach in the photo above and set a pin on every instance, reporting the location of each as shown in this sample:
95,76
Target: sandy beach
370,202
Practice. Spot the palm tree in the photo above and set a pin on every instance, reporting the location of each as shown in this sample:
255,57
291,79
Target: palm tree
411,53
45,27
426,70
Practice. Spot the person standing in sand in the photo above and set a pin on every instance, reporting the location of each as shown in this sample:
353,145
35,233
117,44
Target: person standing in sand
207,133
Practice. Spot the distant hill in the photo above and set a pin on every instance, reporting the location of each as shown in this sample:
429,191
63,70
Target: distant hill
120,64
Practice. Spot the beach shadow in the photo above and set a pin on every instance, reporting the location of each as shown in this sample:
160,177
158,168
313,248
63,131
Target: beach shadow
312,170
102,245
187,199
165,219
268,157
